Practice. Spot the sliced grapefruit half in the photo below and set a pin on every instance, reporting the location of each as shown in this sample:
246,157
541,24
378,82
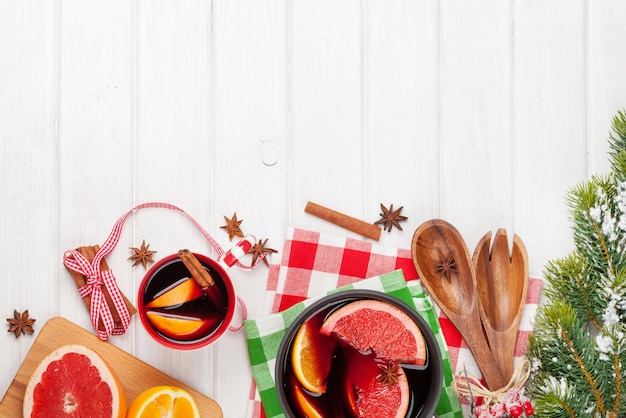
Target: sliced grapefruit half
375,388
73,380
378,326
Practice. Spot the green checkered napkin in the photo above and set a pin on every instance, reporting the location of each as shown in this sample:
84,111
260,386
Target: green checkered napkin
264,336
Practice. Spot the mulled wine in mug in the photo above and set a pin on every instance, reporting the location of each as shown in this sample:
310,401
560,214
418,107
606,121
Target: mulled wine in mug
187,300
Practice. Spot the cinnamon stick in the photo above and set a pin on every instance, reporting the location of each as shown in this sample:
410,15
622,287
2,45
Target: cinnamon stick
89,252
348,222
202,277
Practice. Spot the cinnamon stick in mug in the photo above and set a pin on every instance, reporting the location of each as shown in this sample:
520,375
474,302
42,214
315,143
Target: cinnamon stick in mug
202,277
348,222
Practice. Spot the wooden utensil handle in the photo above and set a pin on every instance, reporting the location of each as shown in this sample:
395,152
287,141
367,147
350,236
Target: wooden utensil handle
485,361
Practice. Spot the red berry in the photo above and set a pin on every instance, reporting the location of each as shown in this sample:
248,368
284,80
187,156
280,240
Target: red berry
528,408
515,411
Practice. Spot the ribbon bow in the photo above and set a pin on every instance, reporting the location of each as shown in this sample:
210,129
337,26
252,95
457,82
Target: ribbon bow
471,387
99,309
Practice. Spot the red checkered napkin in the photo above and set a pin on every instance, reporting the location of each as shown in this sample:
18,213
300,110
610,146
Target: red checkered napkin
334,261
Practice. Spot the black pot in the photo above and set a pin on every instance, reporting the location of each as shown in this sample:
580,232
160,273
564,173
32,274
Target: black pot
425,390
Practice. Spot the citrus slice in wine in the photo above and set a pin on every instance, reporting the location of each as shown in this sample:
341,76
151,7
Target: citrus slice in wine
177,294
375,388
378,326
181,327
73,381
312,355
303,402
163,401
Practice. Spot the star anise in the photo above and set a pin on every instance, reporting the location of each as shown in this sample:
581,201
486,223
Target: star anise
389,374
259,249
390,218
21,323
232,227
447,266
142,255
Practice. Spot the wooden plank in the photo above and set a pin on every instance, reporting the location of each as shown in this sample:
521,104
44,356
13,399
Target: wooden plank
476,116
135,375
96,140
28,178
173,156
401,65
250,166
606,84
326,110
550,137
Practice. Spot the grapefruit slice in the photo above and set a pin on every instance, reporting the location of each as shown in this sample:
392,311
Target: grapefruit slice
73,381
163,401
312,355
181,327
374,388
378,326
176,295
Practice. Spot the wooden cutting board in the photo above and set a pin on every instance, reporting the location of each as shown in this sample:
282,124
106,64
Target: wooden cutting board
135,375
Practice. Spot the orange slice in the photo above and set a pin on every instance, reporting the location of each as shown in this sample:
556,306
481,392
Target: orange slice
163,401
303,401
180,293
311,355
175,326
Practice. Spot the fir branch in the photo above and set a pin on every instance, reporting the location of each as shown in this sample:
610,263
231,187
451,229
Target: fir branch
588,232
617,145
591,380
554,398
570,278
578,346
553,406
619,389
602,243
561,346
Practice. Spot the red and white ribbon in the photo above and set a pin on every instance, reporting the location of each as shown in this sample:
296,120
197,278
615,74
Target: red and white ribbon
99,309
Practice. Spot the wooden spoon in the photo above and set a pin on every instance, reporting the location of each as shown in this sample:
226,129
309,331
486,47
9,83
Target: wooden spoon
502,283
446,270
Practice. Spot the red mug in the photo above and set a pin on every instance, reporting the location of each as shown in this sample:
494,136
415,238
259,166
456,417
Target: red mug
178,312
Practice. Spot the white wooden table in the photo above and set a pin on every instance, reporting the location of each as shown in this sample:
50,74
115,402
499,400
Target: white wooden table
483,113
